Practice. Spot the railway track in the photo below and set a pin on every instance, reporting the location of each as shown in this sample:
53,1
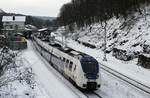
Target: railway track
97,94
128,80
91,95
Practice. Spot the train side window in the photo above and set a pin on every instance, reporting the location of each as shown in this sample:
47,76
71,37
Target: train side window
70,65
67,62
75,67
63,59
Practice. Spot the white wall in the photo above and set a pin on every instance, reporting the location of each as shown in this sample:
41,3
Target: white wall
7,25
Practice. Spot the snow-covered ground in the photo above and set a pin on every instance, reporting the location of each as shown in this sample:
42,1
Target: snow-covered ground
48,83
113,87
18,80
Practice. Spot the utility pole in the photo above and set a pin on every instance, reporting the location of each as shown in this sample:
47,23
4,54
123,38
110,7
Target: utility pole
50,37
104,25
65,34
145,13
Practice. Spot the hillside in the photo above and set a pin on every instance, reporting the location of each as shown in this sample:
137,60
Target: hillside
125,34
130,37
45,18
1,11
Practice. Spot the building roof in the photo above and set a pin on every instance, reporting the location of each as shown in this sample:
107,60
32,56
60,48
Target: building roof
14,19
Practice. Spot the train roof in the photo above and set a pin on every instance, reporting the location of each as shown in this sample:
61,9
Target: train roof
70,51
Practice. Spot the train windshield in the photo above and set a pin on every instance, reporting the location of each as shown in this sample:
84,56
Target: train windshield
90,65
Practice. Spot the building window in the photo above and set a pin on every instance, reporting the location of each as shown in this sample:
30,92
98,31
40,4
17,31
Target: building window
11,27
7,22
13,18
16,27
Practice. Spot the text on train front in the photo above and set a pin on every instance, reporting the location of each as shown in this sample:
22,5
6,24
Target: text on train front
90,67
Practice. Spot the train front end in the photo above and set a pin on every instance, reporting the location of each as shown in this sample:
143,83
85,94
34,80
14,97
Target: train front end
91,72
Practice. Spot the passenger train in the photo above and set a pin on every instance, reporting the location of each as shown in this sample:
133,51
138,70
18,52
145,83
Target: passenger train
80,68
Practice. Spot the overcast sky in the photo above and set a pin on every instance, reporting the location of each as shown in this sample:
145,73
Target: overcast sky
33,7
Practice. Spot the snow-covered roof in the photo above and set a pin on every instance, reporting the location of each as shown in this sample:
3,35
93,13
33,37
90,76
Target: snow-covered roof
30,26
1,11
44,29
14,19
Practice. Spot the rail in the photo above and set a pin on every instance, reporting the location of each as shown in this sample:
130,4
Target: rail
91,95
127,79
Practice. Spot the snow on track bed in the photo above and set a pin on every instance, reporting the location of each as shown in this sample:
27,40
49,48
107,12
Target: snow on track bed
92,95
132,82
113,87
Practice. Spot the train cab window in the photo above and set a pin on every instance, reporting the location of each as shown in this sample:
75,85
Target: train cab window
90,66
70,65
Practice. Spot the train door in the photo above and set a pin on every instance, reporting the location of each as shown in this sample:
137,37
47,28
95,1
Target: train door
63,63
67,67
70,69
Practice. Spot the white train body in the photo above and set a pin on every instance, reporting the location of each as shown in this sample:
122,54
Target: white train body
71,64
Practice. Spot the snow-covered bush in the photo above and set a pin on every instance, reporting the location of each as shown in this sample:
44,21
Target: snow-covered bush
144,60
146,48
7,58
124,55
15,74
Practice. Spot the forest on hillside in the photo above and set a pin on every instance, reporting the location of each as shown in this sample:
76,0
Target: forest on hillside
85,12
38,22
